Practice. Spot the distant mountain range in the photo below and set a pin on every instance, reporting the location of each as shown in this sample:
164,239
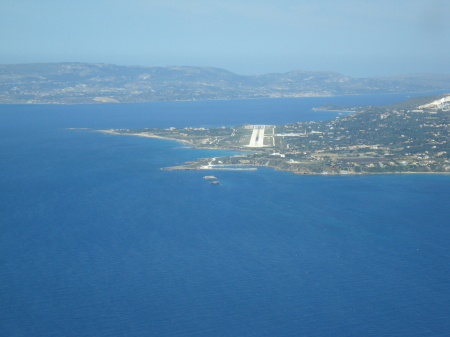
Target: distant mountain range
81,83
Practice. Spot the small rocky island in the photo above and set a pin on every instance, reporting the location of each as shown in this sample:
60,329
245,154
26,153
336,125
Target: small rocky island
213,180
406,137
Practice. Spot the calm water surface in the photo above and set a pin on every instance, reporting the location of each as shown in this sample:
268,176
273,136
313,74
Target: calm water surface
96,240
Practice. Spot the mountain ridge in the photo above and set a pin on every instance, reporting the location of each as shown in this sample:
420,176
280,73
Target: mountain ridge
80,83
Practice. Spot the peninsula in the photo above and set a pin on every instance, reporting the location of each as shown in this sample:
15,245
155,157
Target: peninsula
406,137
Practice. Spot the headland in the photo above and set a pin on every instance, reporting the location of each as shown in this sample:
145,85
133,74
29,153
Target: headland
401,138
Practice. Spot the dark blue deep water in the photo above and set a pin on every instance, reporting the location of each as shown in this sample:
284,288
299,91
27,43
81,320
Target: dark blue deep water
96,240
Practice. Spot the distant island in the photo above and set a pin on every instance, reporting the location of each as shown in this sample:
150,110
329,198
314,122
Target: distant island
88,83
406,137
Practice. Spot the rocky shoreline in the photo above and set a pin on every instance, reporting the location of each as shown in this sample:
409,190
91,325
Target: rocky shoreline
305,168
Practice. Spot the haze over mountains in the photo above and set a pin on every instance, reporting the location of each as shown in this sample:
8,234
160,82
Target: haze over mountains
81,83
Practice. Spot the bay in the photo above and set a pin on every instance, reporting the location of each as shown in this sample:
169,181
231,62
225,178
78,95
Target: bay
96,240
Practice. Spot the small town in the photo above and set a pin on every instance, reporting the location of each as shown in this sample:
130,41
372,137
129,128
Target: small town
362,140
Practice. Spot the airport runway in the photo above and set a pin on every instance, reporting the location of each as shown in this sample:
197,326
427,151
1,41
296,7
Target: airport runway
257,138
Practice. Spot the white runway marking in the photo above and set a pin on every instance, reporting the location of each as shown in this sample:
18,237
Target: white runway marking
257,138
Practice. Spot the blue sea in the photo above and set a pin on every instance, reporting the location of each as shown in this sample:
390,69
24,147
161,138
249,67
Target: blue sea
96,240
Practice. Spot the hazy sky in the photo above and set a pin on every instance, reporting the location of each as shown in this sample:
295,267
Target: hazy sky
355,37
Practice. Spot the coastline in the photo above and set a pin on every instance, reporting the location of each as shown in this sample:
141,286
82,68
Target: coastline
32,102
198,165
112,132
191,145
187,167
